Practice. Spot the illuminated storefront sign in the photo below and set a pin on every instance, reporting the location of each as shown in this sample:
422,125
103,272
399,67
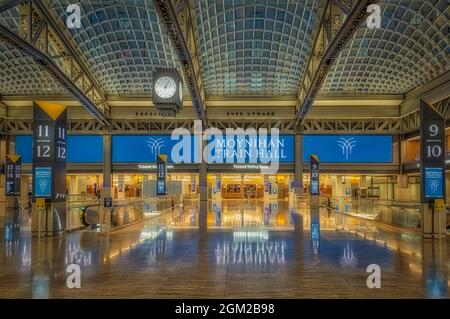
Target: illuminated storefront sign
151,166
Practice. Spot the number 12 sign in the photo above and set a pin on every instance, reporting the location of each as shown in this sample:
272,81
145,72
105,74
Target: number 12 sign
432,153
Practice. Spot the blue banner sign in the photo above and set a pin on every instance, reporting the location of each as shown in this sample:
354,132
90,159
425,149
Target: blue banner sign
144,148
348,148
80,148
434,182
42,181
250,149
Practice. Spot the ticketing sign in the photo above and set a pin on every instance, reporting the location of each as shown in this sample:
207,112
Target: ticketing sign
432,153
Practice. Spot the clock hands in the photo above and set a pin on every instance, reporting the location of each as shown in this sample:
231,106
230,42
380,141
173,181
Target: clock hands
167,82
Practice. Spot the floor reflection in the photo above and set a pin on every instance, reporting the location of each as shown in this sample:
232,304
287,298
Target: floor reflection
231,250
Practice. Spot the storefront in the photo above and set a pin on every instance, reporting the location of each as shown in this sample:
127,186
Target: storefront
239,168
126,185
249,186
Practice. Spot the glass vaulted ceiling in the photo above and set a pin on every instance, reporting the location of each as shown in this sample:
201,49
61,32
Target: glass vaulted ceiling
20,74
123,41
255,47
247,47
410,49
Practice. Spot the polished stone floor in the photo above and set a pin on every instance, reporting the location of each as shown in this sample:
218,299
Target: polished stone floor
239,249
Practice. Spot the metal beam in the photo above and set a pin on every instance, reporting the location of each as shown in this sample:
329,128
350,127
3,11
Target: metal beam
326,51
36,46
10,4
186,51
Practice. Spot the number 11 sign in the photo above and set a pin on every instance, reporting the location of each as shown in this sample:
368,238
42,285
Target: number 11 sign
432,153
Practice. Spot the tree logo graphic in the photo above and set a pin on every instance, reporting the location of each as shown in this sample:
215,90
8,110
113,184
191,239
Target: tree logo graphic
434,185
155,145
347,145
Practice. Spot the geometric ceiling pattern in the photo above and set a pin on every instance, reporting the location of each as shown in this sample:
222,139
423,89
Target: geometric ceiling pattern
254,47
123,42
411,48
20,75
251,47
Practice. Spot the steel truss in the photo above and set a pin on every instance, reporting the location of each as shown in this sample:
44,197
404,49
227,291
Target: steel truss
397,125
166,126
411,121
41,36
177,15
330,37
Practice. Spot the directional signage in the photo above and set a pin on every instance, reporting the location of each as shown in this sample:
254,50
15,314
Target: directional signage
432,153
49,150
314,175
13,174
161,175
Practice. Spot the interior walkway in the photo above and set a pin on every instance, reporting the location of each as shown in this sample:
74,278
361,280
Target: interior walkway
242,253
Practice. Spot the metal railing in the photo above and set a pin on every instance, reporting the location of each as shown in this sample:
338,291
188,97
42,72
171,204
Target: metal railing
396,213
123,211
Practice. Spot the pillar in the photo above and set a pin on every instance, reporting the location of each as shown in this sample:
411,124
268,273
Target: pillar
216,191
402,160
49,168
24,190
107,166
73,186
3,152
298,166
203,188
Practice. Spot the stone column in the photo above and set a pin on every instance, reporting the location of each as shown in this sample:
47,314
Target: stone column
298,166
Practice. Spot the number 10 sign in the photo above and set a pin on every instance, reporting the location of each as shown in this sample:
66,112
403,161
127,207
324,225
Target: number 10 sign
432,153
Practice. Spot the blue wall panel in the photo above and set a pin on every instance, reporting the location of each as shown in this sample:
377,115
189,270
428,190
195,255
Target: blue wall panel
80,148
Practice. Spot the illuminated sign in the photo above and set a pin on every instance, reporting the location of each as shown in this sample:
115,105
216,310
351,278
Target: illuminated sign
142,149
434,182
13,174
314,175
161,175
229,149
432,153
43,182
151,166
80,148
348,148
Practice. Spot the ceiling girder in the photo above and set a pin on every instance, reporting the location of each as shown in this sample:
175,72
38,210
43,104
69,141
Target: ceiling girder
330,38
177,16
39,31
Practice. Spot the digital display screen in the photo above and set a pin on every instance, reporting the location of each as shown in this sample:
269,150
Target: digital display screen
42,181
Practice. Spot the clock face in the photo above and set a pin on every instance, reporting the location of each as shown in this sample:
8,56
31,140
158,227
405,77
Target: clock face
165,87
180,91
